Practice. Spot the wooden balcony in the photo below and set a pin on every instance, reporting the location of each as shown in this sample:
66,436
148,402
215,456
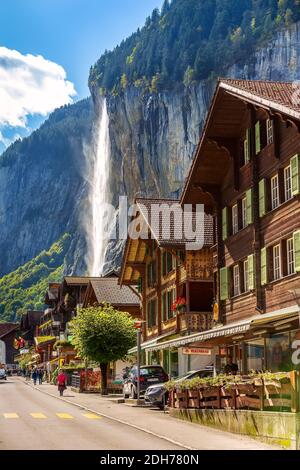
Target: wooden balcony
194,322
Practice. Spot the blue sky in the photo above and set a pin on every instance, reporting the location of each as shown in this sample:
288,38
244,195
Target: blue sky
71,34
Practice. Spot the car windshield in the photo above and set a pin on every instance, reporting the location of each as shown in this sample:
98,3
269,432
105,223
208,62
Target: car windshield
151,371
192,375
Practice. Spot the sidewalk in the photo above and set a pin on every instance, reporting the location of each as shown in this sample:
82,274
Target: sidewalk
156,422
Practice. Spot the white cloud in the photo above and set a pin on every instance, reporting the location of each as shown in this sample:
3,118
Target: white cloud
30,85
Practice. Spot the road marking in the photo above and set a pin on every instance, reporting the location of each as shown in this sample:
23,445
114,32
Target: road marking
10,415
91,416
38,415
64,416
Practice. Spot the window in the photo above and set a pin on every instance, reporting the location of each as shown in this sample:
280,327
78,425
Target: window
276,263
151,274
246,150
167,263
235,220
246,276
236,280
168,298
274,192
244,212
151,313
287,183
270,131
290,256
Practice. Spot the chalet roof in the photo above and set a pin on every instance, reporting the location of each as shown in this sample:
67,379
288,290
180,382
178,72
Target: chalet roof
30,319
156,225
284,96
107,289
224,119
6,328
78,280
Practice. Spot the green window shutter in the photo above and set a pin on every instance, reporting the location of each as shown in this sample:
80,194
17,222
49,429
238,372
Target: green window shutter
224,283
257,137
224,223
295,170
251,272
262,197
140,285
249,206
263,266
296,239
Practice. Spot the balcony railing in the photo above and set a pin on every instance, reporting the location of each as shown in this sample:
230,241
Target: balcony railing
195,321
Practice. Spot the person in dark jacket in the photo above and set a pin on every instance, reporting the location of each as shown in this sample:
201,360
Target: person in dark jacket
34,376
40,374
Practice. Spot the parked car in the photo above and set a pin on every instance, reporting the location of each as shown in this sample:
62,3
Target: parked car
3,374
148,376
158,396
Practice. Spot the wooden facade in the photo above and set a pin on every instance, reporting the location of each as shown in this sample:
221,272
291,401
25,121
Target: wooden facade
165,271
247,173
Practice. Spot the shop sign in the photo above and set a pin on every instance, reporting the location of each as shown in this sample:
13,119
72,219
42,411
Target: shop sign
24,351
198,351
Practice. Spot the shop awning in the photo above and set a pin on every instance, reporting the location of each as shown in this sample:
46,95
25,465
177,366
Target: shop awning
227,330
149,343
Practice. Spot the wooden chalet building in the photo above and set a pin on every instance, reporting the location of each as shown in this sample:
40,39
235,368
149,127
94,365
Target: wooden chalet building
164,272
246,171
106,289
8,333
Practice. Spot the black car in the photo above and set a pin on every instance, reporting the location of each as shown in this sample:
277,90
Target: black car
157,395
149,375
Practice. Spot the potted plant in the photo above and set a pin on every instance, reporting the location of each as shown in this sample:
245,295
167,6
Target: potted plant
179,305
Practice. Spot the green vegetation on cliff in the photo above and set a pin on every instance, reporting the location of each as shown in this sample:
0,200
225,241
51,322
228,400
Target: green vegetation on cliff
25,288
189,40
60,135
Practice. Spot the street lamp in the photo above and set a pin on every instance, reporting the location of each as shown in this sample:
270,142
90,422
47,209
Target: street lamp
138,326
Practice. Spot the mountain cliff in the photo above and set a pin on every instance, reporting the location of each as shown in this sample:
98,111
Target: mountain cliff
42,188
155,121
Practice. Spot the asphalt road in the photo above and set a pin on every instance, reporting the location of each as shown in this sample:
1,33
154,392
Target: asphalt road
30,420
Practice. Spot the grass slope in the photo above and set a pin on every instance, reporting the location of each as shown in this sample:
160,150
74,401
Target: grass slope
25,287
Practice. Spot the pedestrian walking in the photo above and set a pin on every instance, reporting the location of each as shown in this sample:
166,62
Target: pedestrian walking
61,382
34,376
40,374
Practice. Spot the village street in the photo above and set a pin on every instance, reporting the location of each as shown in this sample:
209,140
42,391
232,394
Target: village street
33,419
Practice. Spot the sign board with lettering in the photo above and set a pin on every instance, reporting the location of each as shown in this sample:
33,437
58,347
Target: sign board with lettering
198,351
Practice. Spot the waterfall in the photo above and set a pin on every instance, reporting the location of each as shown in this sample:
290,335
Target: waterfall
99,193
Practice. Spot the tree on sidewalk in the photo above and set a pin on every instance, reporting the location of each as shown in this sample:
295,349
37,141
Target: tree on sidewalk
104,335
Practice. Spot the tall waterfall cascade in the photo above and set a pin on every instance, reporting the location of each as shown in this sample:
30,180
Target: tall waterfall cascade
99,193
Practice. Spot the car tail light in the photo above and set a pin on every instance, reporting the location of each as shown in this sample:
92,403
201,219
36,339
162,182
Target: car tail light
142,379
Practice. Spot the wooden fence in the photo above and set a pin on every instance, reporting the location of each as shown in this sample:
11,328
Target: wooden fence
261,395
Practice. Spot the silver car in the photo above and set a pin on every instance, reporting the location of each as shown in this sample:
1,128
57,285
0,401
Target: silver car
158,396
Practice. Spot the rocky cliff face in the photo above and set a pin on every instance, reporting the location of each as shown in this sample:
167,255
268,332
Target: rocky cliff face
153,137
42,190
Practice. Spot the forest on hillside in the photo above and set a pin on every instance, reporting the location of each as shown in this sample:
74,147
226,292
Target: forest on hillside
190,40
25,288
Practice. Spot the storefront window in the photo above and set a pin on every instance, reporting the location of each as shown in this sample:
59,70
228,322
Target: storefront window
279,352
255,355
